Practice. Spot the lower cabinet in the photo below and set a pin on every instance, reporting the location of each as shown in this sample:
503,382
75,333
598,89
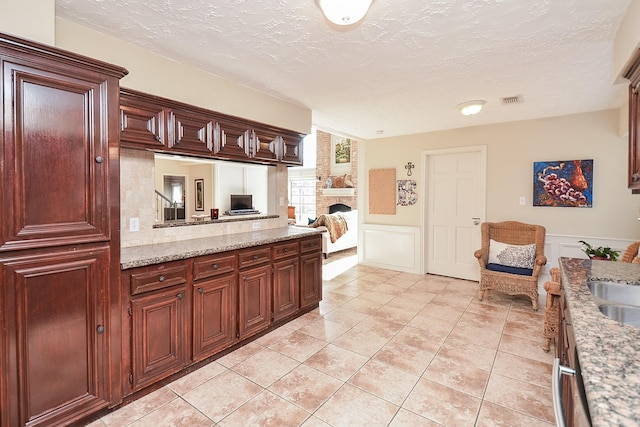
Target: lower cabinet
254,300
158,335
182,312
311,271
56,336
214,315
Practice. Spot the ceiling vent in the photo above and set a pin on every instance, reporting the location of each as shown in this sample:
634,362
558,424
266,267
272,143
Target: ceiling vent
507,100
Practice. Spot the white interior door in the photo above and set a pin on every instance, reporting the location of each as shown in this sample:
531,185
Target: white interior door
454,210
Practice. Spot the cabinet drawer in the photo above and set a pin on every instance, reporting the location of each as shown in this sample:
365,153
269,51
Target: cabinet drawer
311,244
284,250
214,265
252,257
158,277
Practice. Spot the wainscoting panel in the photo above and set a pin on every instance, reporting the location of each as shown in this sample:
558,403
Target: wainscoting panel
400,248
392,247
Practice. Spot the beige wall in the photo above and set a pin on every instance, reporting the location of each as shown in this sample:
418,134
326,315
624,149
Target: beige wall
29,19
511,150
158,75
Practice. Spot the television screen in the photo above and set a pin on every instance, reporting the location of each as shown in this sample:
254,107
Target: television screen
241,201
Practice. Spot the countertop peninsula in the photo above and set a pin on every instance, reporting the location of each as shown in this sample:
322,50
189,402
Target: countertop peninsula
140,256
609,352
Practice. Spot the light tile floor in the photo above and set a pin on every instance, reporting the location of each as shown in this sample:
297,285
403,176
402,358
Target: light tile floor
383,349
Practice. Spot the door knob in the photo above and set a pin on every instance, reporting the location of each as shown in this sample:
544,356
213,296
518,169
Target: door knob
476,221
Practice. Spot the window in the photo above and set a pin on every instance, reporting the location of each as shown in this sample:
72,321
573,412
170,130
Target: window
303,197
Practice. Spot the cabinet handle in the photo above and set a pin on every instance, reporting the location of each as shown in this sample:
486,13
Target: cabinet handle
200,291
161,278
256,257
99,159
215,266
180,296
100,329
245,278
286,249
157,138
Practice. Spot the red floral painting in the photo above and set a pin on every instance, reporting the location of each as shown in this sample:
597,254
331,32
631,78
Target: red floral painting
567,183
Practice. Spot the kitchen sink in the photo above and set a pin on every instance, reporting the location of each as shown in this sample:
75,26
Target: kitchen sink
615,292
627,314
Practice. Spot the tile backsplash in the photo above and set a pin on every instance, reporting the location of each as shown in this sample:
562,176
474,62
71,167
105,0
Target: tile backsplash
137,200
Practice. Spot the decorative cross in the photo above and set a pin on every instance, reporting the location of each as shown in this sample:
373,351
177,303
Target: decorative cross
408,167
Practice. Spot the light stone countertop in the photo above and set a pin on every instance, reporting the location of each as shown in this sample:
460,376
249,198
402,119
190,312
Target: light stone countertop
140,256
609,352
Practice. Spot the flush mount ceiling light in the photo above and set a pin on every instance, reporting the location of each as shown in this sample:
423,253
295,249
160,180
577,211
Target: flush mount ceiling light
344,12
470,108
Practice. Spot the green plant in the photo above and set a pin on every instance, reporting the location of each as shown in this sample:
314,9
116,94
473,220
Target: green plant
602,252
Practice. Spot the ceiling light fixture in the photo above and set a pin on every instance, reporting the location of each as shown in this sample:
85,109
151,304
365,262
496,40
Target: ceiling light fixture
470,108
344,12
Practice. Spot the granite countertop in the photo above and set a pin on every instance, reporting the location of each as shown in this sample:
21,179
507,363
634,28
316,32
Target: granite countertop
609,352
140,256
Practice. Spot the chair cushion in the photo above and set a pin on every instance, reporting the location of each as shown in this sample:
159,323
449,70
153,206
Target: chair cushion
521,256
509,269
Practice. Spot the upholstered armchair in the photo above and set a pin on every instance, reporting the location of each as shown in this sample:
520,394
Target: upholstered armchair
511,258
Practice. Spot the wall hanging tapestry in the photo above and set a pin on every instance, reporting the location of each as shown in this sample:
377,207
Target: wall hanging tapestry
407,192
566,183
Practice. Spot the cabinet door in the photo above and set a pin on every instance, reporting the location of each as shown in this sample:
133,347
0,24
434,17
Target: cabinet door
291,149
56,159
190,132
159,336
285,288
254,300
142,124
310,279
231,140
56,307
264,145
214,319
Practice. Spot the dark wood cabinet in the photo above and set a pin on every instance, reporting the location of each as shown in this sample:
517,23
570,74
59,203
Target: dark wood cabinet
286,280
59,239
214,304
158,326
160,124
254,313
190,132
574,405
292,148
265,144
310,271
56,306
143,123
633,74
159,339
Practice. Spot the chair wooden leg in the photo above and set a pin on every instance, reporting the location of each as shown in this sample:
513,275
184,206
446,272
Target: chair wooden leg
534,303
547,345
481,295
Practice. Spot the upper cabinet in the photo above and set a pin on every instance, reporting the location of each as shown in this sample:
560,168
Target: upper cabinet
159,124
633,74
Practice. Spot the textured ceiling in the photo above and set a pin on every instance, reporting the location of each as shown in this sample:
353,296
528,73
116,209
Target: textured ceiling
402,70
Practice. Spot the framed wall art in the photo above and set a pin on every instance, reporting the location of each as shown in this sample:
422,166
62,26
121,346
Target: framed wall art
563,183
199,194
340,155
